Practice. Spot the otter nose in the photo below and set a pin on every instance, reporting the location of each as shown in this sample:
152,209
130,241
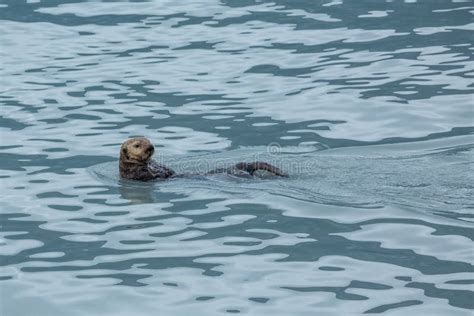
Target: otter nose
150,148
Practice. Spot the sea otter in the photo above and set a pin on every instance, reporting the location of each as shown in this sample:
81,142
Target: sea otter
136,164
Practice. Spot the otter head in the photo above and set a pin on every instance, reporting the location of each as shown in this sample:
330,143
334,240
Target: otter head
136,150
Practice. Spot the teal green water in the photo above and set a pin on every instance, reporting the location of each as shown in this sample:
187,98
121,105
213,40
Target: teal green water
368,105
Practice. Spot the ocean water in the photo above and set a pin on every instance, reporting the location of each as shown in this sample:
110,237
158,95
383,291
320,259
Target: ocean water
368,105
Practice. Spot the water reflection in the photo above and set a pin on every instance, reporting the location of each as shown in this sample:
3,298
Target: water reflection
137,194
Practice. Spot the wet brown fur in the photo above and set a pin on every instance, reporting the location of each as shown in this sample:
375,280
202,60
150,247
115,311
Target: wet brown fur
136,163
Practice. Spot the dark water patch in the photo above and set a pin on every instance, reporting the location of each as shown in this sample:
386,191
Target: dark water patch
82,117
170,284
21,12
9,147
45,195
52,140
458,298
404,278
460,282
55,150
331,268
68,208
88,220
386,307
12,124
204,298
261,300
39,181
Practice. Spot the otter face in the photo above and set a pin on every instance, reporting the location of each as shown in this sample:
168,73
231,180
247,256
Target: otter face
137,150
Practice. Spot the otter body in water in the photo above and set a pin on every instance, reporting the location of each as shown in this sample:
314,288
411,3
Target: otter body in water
136,164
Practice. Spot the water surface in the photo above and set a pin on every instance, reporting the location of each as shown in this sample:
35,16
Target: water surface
368,105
